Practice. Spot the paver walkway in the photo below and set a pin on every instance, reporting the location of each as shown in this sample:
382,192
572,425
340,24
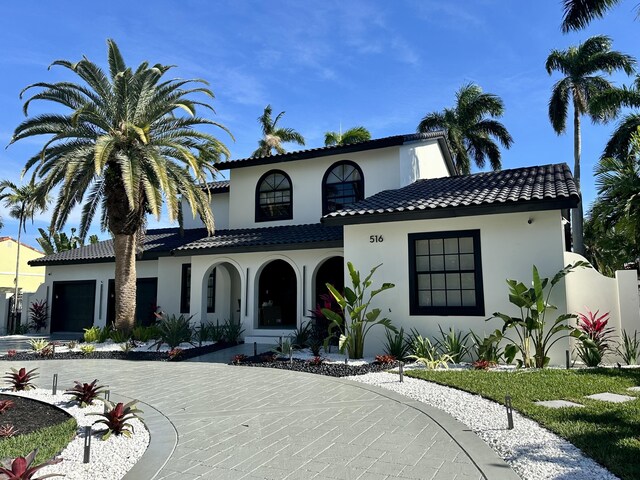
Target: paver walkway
260,423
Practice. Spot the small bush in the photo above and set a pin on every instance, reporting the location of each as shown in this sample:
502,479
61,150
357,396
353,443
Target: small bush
425,352
173,331
174,354
21,379
629,348
486,349
7,430
301,335
317,360
85,393
116,418
385,359
104,333
232,331
453,344
12,352
23,468
239,358
397,345
6,405
595,343
38,344
38,313
91,334
87,349
118,336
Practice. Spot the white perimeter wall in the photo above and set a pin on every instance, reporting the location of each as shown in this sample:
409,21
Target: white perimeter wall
509,247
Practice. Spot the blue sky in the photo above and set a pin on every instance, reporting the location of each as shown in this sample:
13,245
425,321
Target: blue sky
327,63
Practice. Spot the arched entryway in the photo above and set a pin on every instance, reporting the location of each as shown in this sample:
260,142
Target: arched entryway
221,293
277,296
331,271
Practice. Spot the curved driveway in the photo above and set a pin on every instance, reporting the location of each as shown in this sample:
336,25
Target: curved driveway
258,423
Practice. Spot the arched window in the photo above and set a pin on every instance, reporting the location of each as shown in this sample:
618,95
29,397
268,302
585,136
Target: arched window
342,185
274,197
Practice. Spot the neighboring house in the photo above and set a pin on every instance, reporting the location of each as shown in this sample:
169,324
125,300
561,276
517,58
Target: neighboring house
30,277
287,224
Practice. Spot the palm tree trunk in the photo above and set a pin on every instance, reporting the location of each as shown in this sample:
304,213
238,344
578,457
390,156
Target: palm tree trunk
13,325
125,281
577,218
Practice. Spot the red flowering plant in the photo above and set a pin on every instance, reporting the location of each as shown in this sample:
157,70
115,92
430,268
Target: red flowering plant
24,468
596,338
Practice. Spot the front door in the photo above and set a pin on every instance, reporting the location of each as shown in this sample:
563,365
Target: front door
73,305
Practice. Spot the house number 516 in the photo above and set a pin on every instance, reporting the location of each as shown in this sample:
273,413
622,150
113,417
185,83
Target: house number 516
376,239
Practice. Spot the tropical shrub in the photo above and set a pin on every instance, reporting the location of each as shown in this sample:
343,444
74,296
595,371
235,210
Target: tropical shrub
6,405
317,360
285,347
232,331
320,323
386,359
119,336
533,339
91,334
23,468
21,379
173,331
12,352
38,313
483,364
596,335
38,344
85,393
239,358
425,352
104,333
453,344
357,319
486,349
301,335
397,344
629,348
116,418
7,430
87,349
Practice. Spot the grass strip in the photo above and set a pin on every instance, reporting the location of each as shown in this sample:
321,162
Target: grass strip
49,441
607,432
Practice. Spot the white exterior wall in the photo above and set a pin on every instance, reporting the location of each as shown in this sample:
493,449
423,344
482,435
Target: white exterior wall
509,247
220,208
419,160
380,169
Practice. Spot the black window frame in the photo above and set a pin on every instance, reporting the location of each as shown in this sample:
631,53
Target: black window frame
211,292
260,214
414,307
325,196
185,288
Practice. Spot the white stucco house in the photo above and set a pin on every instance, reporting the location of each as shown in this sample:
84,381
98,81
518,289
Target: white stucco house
287,224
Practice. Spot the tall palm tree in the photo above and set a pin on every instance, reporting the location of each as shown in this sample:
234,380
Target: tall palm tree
126,146
23,202
581,66
579,13
273,136
472,135
353,135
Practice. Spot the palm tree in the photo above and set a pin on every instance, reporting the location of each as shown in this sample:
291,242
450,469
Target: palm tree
23,203
126,146
61,242
581,83
471,135
273,136
353,135
579,13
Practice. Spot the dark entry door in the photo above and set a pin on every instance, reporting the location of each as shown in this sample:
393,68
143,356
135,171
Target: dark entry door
73,305
146,298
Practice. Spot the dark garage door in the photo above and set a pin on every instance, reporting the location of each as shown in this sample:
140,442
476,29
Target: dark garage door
73,305
146,295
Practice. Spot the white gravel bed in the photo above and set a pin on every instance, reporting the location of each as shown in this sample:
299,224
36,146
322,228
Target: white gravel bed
532,451
111,346
110,459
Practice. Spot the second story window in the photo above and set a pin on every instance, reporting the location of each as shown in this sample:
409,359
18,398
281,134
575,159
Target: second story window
343,184
274,197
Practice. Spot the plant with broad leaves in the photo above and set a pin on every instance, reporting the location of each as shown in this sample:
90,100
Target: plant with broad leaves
21,379
534,339
23,468
173,331
85,393
629,348
38,313
453,344
232,331
425,352
6,405
486,349
38,344
7,430
397,345
597,336
116,418
483,364
317,360
87,349
91,334
357,319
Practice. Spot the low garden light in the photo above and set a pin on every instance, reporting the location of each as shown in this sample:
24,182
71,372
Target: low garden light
54,387
87,444
401,370
507,404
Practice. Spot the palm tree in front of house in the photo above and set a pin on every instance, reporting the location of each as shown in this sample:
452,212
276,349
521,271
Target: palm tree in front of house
472,128
273,136
579,13
23,202
353,135
582,67
126,146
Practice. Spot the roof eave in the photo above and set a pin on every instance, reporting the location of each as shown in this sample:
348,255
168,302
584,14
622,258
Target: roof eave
258,248
452,212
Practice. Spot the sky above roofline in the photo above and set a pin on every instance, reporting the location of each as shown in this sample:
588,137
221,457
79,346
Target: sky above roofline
328,64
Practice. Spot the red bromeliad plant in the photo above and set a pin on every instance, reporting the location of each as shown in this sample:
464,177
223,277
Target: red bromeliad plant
116,417
85,393
597,336
6,405
385,359
21,468
12,352
7,430
21,379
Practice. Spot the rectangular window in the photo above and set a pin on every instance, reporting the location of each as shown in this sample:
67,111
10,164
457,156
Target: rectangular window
211,292
445,273
185,289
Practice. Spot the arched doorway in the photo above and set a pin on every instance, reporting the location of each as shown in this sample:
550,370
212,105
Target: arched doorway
331,271
221,293
277,296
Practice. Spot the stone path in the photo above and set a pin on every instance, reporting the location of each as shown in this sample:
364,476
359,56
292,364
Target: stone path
260,423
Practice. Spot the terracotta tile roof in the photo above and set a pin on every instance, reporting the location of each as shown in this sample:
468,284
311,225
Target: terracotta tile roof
549,184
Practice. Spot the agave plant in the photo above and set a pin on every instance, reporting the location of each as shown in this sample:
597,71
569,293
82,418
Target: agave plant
22,468
21,379
116,417
85,393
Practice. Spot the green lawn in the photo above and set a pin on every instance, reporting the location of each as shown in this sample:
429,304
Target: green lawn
607,432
